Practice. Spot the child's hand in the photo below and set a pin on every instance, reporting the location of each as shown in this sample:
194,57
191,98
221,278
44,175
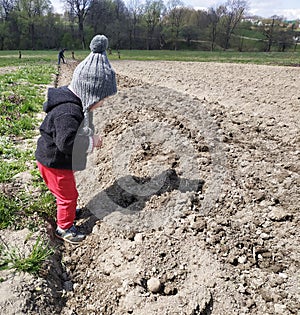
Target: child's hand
97,141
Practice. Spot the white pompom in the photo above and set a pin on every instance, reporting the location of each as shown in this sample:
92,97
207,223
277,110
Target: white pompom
99,44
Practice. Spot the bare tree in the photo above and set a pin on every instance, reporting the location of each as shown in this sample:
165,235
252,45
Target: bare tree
269,31
296,40
120,24
135,10
6,7
30,12
233,11
175,12
100,10
214,16
152,16
79,8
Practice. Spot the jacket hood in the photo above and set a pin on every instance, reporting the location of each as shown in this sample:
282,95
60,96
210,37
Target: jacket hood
59,96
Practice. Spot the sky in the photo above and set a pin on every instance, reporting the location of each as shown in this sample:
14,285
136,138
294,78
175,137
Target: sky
289,9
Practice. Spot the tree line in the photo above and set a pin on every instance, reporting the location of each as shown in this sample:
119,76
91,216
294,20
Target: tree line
151,24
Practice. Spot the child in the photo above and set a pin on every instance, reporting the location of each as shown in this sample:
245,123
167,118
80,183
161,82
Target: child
67,132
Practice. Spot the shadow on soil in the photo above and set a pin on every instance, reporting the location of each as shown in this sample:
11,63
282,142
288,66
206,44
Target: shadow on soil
129,194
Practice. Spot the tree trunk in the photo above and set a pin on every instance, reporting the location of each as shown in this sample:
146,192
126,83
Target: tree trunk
31,29
81,32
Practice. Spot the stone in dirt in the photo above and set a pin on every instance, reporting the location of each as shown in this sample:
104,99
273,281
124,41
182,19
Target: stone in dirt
154,285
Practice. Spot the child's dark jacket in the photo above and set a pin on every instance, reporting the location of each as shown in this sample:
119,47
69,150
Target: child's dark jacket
60,145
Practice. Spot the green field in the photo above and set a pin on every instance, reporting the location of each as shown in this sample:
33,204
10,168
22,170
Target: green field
11,58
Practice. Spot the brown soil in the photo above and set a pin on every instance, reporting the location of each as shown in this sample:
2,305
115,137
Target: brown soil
192,204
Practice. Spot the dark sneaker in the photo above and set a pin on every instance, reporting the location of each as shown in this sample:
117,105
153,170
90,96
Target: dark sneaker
71,235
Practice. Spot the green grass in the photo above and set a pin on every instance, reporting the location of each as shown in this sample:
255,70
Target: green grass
9,206
29,57
13,258
18,210
21,96
10,58
273,58
18,206
13,159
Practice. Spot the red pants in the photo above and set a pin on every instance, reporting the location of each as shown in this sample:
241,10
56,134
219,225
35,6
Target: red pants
62,185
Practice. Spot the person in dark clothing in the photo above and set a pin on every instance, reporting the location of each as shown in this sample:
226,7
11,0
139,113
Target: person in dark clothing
67,132
61,56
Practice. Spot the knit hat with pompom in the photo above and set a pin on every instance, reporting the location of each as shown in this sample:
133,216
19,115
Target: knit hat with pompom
94,79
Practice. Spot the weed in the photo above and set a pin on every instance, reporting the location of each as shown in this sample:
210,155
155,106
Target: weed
13,258
8,209
13,159
18,209
16,204
21,96
44,205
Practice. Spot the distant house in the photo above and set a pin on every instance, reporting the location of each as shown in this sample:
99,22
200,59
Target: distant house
292,25
253,20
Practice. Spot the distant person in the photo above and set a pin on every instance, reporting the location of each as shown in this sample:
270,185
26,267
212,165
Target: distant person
61,56
67,132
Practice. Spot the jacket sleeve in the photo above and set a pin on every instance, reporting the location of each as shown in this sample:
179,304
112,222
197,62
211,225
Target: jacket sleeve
66,133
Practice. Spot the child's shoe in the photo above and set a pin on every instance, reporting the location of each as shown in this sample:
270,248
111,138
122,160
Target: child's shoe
71,235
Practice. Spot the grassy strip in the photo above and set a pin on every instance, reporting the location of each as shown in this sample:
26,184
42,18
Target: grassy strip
15,205
288,58
13,159
18,209
21,97
273,58
13,258
29,58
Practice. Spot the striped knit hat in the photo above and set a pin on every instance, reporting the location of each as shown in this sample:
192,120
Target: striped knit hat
94,79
